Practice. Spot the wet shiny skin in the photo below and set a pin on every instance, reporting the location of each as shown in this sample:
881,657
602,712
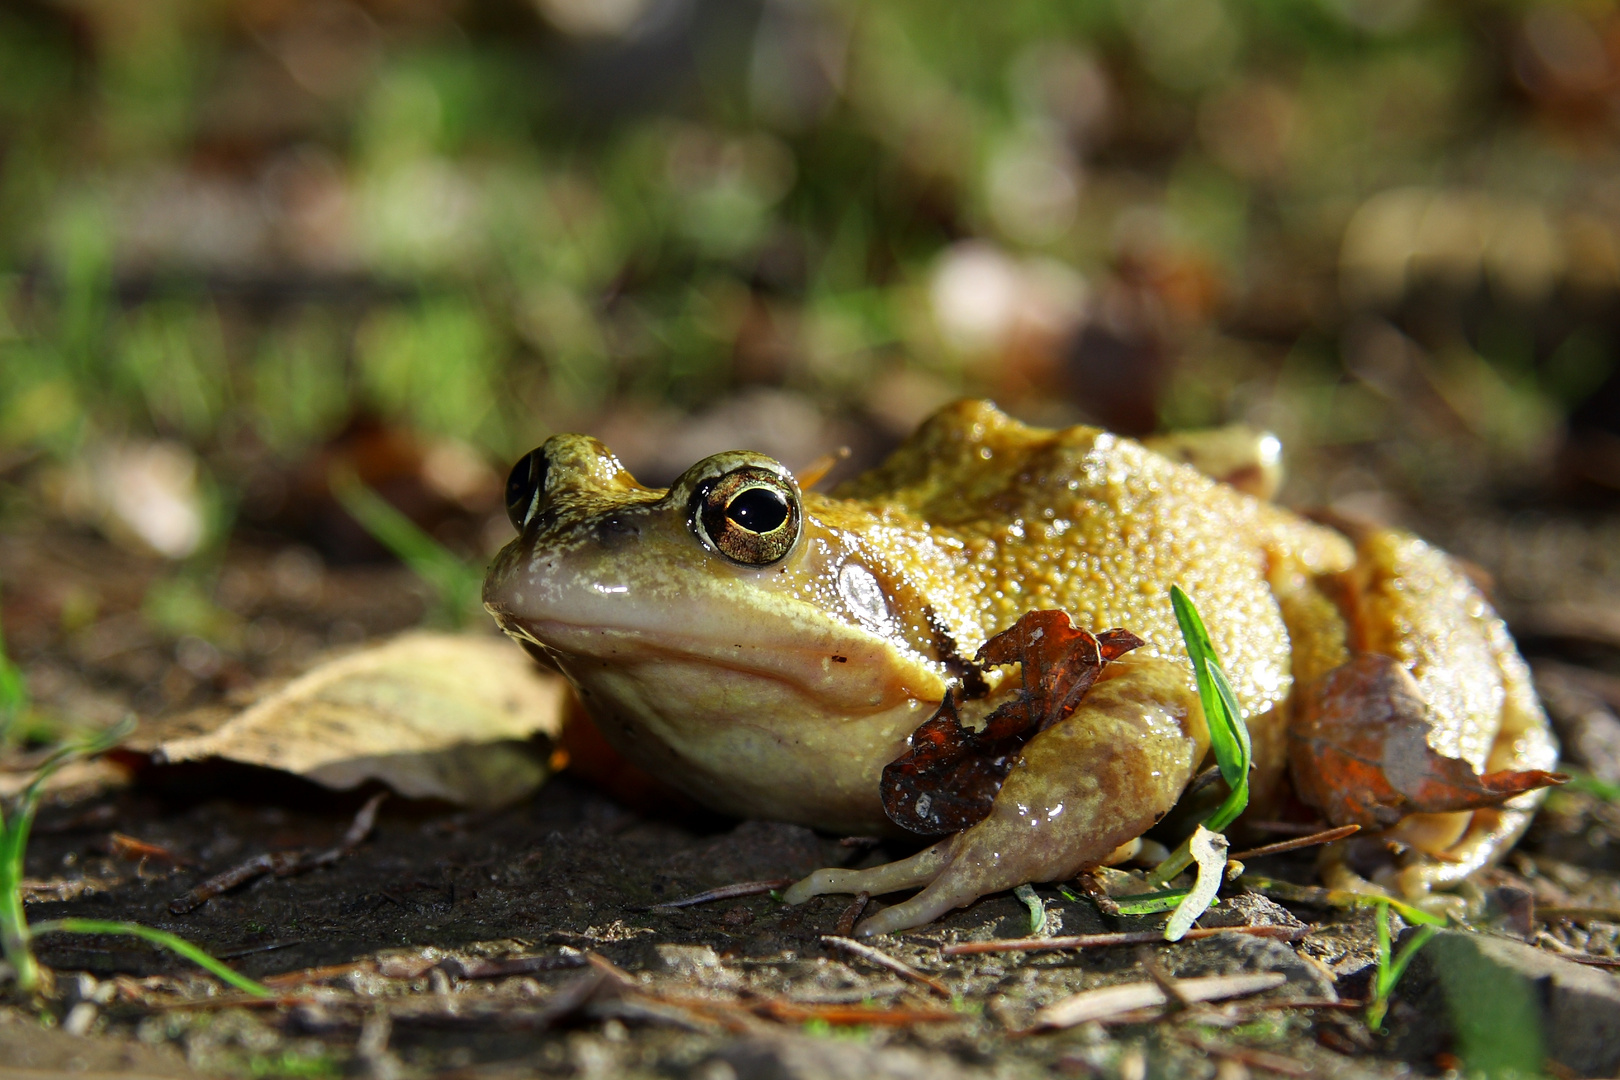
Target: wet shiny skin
781,691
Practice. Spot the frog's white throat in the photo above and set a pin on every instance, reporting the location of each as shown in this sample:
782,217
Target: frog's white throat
750,724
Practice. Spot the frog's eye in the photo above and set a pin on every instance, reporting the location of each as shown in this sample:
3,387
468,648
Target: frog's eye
524,486
750,515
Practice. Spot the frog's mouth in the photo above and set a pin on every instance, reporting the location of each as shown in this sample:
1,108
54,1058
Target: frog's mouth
827,667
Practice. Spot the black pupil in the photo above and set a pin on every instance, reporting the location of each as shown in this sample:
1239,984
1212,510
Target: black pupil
522,482
759,510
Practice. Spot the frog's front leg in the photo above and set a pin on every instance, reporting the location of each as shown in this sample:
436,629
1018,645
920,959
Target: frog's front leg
1079,790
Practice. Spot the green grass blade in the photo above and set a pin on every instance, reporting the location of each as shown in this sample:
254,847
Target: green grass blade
1339,898
1588,784
1233,716
14,930
1150,903
1390,969
161,938
1420,938
13,691
1228,734
457,585
1381,943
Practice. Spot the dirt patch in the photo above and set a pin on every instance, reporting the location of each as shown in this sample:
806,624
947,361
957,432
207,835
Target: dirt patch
531,940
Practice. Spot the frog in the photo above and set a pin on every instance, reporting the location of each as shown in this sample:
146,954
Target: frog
768,650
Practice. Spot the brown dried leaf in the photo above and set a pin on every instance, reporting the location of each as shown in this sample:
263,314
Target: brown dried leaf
1359,752
949,778
431,715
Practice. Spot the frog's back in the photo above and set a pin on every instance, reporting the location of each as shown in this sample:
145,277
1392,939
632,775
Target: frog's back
1101,526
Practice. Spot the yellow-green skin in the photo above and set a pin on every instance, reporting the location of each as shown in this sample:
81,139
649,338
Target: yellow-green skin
781,692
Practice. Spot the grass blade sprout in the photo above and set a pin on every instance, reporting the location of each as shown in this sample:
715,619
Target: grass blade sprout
13,691
1228,734
1390,969
457,585
14,830
162,938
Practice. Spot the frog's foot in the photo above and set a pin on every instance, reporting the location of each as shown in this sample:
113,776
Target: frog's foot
1413,603
911,873
1080,790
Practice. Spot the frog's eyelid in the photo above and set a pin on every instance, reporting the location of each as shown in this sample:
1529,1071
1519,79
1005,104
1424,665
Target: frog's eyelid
718,465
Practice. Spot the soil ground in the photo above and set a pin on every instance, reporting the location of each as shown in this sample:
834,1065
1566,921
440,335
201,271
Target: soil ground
381,960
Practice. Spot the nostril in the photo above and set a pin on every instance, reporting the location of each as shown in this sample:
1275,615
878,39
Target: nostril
613,528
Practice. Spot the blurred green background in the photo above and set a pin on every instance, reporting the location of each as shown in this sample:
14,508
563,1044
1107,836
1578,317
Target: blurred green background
242,239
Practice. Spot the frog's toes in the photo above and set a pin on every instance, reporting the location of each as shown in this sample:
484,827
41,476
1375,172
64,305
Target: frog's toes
948,890
919,869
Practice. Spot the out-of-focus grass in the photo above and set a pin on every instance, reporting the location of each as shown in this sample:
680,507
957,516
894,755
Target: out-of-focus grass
244,228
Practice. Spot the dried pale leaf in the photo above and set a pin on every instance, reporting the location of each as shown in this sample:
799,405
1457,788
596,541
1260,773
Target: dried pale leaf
1113,1000
1359,752
431,715
1208,850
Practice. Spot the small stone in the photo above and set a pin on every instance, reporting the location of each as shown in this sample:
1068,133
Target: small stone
1249,909
688,959
1244,954
80,1019
1498,992
1587,727
799,1058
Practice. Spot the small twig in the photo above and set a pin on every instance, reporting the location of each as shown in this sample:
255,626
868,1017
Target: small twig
521,965
131,849
281,863
1175,1000
1287,828
256,867
1097,893
1593,961
1202,780
1259,1059
229,1001
1346,1004
1135,937
727,892
884,960
573,995
1325,837
791,1012
852,914
1112,1001
1579,914
249,950
315,974
359,829
815,472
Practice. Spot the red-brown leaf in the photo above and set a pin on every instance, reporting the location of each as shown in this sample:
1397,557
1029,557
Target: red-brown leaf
949,777
1359,752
